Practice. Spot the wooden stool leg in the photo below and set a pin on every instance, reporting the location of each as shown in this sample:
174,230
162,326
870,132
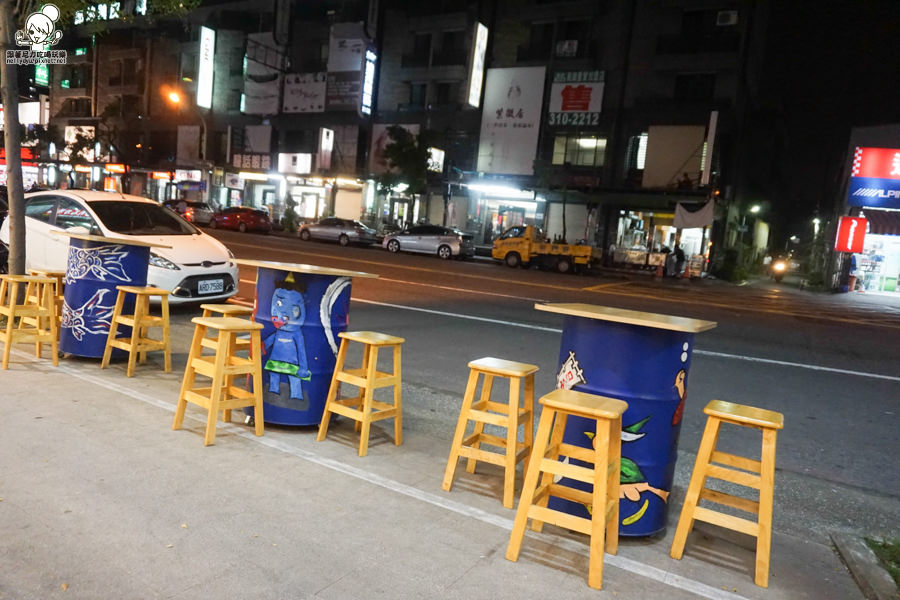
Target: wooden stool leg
398,398
530,484
512,436
258,417
215,392
332,391
8,293
766,501
367,403
599,500
361,392
556,438
53,325
113,328
613,467
190,375
167,347
698,477
460,430
135,336
487,385
528,402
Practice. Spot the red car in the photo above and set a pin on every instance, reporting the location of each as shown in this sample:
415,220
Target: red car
242,218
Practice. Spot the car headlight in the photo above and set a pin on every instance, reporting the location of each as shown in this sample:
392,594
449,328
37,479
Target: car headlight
163,263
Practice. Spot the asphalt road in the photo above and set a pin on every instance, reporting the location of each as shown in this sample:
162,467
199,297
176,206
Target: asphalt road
829,363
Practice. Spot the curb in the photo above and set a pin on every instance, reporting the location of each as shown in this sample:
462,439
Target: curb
873,581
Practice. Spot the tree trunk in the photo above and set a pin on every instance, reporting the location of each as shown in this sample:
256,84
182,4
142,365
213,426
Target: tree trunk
10,94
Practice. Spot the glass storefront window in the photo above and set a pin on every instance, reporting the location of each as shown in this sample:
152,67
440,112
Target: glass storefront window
579,150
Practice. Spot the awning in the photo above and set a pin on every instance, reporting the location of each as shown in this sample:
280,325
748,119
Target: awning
882,222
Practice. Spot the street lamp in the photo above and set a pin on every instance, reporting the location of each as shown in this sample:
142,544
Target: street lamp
816,222
175,98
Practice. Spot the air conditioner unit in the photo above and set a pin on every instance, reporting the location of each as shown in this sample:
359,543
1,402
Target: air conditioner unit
567,48
725,18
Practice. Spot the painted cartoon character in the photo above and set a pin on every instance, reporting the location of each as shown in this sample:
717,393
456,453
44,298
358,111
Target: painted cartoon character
91,318
40,29
285,346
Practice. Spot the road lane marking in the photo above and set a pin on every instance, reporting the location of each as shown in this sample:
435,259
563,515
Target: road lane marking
467,291
440,501
595,288
782,363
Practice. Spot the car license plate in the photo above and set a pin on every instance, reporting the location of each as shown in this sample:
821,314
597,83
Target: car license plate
211,286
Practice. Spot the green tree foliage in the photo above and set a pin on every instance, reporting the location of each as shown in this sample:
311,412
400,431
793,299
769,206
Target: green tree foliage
407,157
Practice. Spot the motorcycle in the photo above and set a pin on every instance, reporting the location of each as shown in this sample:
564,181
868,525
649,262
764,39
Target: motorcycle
779,268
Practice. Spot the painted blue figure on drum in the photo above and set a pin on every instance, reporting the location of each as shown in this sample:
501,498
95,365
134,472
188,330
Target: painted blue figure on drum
285,347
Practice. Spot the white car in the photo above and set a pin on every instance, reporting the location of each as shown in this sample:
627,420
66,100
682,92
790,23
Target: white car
197,267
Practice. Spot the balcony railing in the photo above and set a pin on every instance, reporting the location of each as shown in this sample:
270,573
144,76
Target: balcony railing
713,43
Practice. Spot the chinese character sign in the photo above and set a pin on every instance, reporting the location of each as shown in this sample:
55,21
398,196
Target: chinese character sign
851,234
576,98
875,178
510,120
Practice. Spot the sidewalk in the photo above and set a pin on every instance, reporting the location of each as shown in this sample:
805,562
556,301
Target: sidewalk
101,499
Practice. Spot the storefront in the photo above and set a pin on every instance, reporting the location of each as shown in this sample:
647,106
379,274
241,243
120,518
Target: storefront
493,208
878,265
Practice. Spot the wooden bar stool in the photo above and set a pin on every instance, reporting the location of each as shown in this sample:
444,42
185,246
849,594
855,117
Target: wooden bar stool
761,476
37,315
138,343
57,277
222,368
604,476
509,416
363,408
230,310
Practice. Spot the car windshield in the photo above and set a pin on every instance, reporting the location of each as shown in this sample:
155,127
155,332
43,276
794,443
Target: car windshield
140,218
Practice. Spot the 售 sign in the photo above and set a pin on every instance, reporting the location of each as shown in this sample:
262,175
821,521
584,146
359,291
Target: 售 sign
851,234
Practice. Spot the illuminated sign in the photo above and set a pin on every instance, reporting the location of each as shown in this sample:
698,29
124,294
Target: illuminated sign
82,169
188,175
161,175
436,160
295,163
851,234
875,178
326,145
476,72
365,106
114,168
41,74
205,67
576,98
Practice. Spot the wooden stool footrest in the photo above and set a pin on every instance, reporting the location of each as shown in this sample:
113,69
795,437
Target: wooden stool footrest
142,345
348,407
583,474
727,521
357,377
238,398
560,519
738,477
738,462
744,504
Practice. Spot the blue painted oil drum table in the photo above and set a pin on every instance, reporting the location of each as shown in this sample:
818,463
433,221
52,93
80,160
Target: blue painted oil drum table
95,266
643,359
302,308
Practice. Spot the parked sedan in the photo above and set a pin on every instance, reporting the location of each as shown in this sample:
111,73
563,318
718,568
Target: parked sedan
342,231
192,264
242,218
198,213
431,239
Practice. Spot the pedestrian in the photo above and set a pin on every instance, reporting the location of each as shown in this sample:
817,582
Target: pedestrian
181,207
679,260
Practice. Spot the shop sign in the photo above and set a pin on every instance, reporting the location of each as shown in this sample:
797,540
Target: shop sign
476,70
251,161
233,181
114,168
161,175
875,178
191,186
576,98
851,234
304,92
368,85
326,145
206,67
436,160
298,163
82,169
188,175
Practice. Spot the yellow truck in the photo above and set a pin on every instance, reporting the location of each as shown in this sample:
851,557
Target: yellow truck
525,245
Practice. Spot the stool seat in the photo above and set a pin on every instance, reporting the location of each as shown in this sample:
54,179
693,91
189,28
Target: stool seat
138,342
584,405
371,338
486,412
756,474
222,368
228,310
363,408
744,415
602,471
502,367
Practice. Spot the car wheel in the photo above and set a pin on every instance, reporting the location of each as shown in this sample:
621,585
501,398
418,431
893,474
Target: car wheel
344,240
564,265
304,235
242,228
213,224
445,253
513,260
393,246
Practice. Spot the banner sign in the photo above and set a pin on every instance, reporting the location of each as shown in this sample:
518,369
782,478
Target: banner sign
851,234
252,161
875,178
576,99
304,93
206,67
511,120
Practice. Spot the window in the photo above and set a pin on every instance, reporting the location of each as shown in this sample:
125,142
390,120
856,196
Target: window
579,151
131,68
417,95
695,86
76,76
422,45
446,92
513,232
40,208
115,73
76,107
71,214
140,218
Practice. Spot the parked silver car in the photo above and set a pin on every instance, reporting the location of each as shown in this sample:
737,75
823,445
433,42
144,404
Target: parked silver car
342,231
446,242
198,213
